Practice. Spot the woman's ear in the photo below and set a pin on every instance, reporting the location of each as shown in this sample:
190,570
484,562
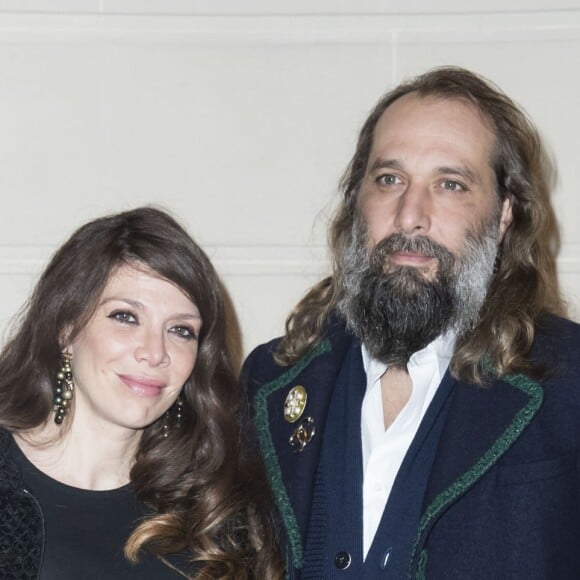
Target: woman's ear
65,339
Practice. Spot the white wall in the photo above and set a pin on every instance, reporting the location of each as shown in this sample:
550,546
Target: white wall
240,117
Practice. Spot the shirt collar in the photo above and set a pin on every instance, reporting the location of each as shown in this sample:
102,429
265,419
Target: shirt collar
441,348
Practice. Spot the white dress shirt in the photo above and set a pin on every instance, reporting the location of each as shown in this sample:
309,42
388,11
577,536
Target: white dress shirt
384,450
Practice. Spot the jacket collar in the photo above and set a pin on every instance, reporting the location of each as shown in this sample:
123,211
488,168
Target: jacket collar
292,475
481,426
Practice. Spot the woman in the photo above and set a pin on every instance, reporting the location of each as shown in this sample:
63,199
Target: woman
120,447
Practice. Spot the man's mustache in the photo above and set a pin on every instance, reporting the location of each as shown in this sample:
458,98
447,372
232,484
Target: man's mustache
396,243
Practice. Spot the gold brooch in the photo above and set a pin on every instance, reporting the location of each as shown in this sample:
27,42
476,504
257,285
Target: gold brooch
295,404
302,435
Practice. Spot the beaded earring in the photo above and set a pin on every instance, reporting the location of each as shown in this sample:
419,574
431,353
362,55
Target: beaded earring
63,393
177,411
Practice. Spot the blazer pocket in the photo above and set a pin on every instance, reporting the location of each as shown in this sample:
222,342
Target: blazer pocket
536,470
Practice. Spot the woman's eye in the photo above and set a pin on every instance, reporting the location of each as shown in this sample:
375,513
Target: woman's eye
184,332
123,316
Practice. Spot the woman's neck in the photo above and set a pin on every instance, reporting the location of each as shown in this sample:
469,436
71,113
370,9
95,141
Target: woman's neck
84,456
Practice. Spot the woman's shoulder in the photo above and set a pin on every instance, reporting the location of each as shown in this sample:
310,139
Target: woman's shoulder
10,475
20,518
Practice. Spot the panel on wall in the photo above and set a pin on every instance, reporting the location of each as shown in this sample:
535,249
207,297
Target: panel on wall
241,123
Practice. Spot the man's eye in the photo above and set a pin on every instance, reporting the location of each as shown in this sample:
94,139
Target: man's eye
123,316
388,179
184,332
451,185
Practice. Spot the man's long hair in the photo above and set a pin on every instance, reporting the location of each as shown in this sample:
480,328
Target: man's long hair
524,286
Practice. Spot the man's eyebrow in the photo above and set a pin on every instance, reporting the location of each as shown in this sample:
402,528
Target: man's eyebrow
462,171
385,164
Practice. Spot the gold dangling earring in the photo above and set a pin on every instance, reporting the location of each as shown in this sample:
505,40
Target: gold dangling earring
63,393
177,410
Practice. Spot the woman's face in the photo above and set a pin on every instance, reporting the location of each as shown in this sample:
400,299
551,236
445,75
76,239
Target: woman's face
132,358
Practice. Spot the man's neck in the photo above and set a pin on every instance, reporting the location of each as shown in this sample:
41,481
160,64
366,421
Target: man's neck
396,388
396,382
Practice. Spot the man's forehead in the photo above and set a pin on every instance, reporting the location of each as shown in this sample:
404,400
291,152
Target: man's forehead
427,125
416,107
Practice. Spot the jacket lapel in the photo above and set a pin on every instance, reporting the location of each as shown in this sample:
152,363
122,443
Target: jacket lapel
291,474
482,424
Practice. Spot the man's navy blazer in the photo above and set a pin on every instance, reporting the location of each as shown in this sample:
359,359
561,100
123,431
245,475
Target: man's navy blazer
503,495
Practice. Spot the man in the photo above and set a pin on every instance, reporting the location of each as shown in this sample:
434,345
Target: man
421,416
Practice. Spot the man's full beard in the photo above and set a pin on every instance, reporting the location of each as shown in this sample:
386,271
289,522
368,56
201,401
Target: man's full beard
396,310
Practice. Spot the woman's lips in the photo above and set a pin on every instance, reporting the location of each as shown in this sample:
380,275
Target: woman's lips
143,386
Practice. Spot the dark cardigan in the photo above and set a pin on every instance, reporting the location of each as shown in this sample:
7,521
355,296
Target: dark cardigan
21,522
503,495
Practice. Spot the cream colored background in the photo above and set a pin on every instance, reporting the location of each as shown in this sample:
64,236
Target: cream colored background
240,116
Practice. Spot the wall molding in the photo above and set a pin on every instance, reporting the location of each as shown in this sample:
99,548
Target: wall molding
275,7
289,29
241,260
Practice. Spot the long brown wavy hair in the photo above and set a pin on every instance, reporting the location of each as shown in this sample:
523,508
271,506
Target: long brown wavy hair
524,286
208,496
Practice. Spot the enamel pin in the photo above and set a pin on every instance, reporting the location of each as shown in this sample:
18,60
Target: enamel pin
302,435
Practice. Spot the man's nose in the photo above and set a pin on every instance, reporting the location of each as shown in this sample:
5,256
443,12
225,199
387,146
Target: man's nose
413,215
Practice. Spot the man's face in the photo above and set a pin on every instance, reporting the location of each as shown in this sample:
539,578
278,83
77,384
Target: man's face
426,229
429,174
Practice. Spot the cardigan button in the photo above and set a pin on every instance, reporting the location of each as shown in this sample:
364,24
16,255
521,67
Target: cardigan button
342,560
385,558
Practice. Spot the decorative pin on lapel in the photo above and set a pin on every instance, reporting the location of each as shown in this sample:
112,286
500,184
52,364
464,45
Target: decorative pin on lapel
295,403
302,435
